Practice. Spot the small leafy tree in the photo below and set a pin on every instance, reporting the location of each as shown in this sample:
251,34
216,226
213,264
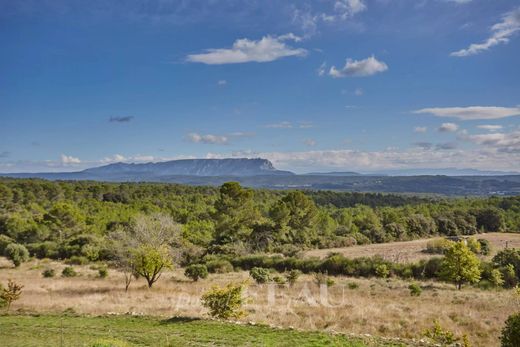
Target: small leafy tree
11,293
196,271
48,273
226,302
460,265
511,332
18,254
260,275
496,278
149,262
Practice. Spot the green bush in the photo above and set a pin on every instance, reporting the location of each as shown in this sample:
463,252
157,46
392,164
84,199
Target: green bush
77,260
382,271
511,331
437,246
260,275
279,279
196,271
322,278
219,266
415,289
69,271
292,276
353,285
18,254
226,302
48,273
102,272
4,241
438,335
485,246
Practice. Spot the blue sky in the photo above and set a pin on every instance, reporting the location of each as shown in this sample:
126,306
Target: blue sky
311,85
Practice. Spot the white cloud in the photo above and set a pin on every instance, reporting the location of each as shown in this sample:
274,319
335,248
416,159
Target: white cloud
501,33
208,139
309,142
490,127
471,112
359,68
459,1
448,128
503,142
69,160
420,129
267,49
322,70
348,8
221,82
280,125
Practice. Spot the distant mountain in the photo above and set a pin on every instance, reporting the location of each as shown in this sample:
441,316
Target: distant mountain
334,173
234,167
443,171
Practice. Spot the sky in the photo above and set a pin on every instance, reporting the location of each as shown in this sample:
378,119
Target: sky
324,85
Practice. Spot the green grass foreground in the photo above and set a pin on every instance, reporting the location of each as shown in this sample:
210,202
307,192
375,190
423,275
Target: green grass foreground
68,331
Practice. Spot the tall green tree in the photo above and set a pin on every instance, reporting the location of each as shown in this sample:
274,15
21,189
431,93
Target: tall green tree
460,265
235,213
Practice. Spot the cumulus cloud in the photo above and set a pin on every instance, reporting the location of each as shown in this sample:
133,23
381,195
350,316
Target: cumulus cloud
69,160
208,139
503,142
501,33
358,92
490,127
121,119
322,70
424,145
471,112
420,129
267,49
348,8
221,82
448,128
359,68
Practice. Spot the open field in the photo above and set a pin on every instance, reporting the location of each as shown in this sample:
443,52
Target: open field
29,331
377,307
410,251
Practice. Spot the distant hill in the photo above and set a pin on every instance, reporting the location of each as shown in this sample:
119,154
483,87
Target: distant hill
260,173
443,171
334,173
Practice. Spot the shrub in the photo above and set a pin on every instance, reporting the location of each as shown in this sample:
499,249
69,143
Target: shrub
226,302
485,246
353,285
439,335
102,272
382,271
260,275
4,242
279,279
496,278
219,266
77,260
474,245
47,273
196,271
292,276
415,289
69,271
511,331
18,254
11,293
322,278
437,246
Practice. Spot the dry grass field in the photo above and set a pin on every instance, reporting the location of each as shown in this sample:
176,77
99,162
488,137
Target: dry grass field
377,306
410,251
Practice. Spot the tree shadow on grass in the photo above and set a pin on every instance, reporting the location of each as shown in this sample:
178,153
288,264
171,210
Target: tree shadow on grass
173,320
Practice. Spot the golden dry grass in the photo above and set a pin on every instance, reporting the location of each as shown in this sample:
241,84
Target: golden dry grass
410,251
377,307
